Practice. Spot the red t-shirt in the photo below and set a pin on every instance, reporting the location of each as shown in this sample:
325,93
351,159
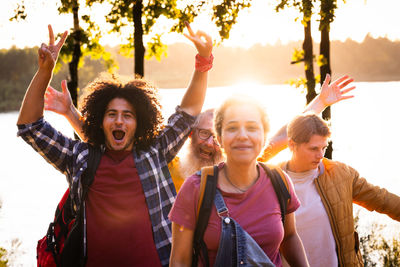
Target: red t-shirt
119,230
257,211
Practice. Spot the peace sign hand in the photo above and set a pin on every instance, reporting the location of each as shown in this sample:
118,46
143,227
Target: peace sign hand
48,54
204,47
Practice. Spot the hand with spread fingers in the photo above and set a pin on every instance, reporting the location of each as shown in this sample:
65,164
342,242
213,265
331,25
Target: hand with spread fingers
56,101
203,46
48,54
336,91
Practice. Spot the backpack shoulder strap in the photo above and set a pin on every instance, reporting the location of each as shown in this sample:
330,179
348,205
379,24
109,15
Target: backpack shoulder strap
208,186
95,154
281,187
205,172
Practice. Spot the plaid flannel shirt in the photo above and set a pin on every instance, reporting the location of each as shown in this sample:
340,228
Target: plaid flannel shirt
71,156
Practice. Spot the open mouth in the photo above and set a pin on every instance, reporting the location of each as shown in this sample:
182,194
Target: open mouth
206,154
118,135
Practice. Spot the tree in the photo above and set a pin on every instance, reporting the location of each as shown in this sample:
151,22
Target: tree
225,15
327,15
141,16
73,46
306,55
79,43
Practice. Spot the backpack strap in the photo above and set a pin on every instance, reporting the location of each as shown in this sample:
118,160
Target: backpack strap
95,154
74,252
208,186
281,187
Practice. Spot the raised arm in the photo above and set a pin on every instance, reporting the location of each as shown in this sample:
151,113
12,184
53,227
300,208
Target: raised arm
192,101
33,103
61,103
330,94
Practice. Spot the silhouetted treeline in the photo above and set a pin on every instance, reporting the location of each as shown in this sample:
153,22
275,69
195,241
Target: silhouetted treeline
371,60
17,67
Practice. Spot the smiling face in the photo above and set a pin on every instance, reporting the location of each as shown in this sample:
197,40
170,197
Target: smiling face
242,133
206,149
307,156
119,125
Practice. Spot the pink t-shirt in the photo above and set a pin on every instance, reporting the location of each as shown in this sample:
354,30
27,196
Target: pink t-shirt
257,211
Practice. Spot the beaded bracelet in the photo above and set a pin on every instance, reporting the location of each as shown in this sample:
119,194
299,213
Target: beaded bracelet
204,64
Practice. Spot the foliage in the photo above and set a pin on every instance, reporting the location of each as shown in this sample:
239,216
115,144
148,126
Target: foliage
377,250
304,7
327,13
321,60
17,67
3,257
156,48
226,13
19,12
300,82
3,251
88,36
121,17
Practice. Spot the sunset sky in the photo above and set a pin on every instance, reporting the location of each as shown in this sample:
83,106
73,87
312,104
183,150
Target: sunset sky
258,24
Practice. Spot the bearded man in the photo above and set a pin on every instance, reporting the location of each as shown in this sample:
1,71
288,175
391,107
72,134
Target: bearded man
202,150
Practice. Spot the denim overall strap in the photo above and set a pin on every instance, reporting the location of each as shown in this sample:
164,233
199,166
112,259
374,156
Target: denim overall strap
225,255
236,246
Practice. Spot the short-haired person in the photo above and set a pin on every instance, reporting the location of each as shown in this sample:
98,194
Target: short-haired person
327,190
132,193
241,126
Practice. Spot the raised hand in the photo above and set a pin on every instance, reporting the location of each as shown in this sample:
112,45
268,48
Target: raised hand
336,91
48,54
59,102
203,46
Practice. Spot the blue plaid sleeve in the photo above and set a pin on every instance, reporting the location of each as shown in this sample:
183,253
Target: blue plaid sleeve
175,133
53,146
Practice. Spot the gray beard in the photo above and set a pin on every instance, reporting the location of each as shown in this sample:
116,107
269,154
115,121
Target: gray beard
190,163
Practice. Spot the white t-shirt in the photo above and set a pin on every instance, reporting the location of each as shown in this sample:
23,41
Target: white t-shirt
312,221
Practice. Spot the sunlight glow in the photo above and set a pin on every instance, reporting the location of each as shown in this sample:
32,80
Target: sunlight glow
258,24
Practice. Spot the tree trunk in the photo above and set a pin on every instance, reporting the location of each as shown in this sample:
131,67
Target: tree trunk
308,62
324,70
76,55
138,38
327,7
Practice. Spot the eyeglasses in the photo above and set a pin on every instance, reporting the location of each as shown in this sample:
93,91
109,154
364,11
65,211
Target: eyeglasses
205,134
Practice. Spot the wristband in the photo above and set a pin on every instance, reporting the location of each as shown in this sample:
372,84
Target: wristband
204,64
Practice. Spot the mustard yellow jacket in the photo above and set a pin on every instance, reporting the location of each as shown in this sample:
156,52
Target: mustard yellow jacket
340,186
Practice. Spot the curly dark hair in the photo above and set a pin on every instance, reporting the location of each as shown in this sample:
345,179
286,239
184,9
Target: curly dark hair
139,93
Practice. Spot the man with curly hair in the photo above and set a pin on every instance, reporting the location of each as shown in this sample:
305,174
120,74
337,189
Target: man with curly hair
128,203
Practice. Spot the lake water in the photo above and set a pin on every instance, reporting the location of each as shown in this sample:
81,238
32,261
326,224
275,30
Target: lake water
365,129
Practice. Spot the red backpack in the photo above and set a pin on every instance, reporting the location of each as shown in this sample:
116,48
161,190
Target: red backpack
63,243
